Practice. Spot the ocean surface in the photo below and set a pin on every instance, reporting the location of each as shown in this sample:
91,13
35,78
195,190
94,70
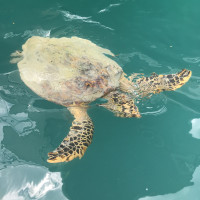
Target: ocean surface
156,157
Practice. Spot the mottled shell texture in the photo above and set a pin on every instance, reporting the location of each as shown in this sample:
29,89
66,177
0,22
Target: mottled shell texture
68,70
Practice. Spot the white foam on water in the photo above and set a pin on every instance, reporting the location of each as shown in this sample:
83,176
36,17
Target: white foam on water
36,32
11,35
29,33
98,23
69,17
107,9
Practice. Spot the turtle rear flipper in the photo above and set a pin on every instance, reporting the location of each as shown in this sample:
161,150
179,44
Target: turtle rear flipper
78,139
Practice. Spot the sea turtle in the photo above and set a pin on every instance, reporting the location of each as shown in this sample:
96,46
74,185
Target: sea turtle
73,72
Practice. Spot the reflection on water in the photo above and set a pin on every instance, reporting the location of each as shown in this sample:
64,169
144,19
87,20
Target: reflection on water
28,182
152,158
195,131
187,193
9,113
19,122
18,179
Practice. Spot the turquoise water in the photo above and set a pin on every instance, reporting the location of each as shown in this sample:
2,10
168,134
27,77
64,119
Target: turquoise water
153,158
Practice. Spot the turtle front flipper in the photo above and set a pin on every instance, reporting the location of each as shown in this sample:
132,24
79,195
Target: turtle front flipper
155,83
121,104
158,83
78,139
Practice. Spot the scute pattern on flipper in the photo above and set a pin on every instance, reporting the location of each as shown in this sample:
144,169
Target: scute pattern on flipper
158,83
121,105
75,144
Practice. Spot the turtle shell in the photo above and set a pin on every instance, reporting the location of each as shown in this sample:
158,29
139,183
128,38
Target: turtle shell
68,70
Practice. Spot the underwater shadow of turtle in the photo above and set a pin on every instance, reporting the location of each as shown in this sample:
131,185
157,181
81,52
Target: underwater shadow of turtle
73,72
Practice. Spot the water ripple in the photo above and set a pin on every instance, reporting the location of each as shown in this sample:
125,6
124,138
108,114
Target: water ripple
69,17
192,60
154,105
156,112
29,33
126,57
184,106
11,35
107,9
192,90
